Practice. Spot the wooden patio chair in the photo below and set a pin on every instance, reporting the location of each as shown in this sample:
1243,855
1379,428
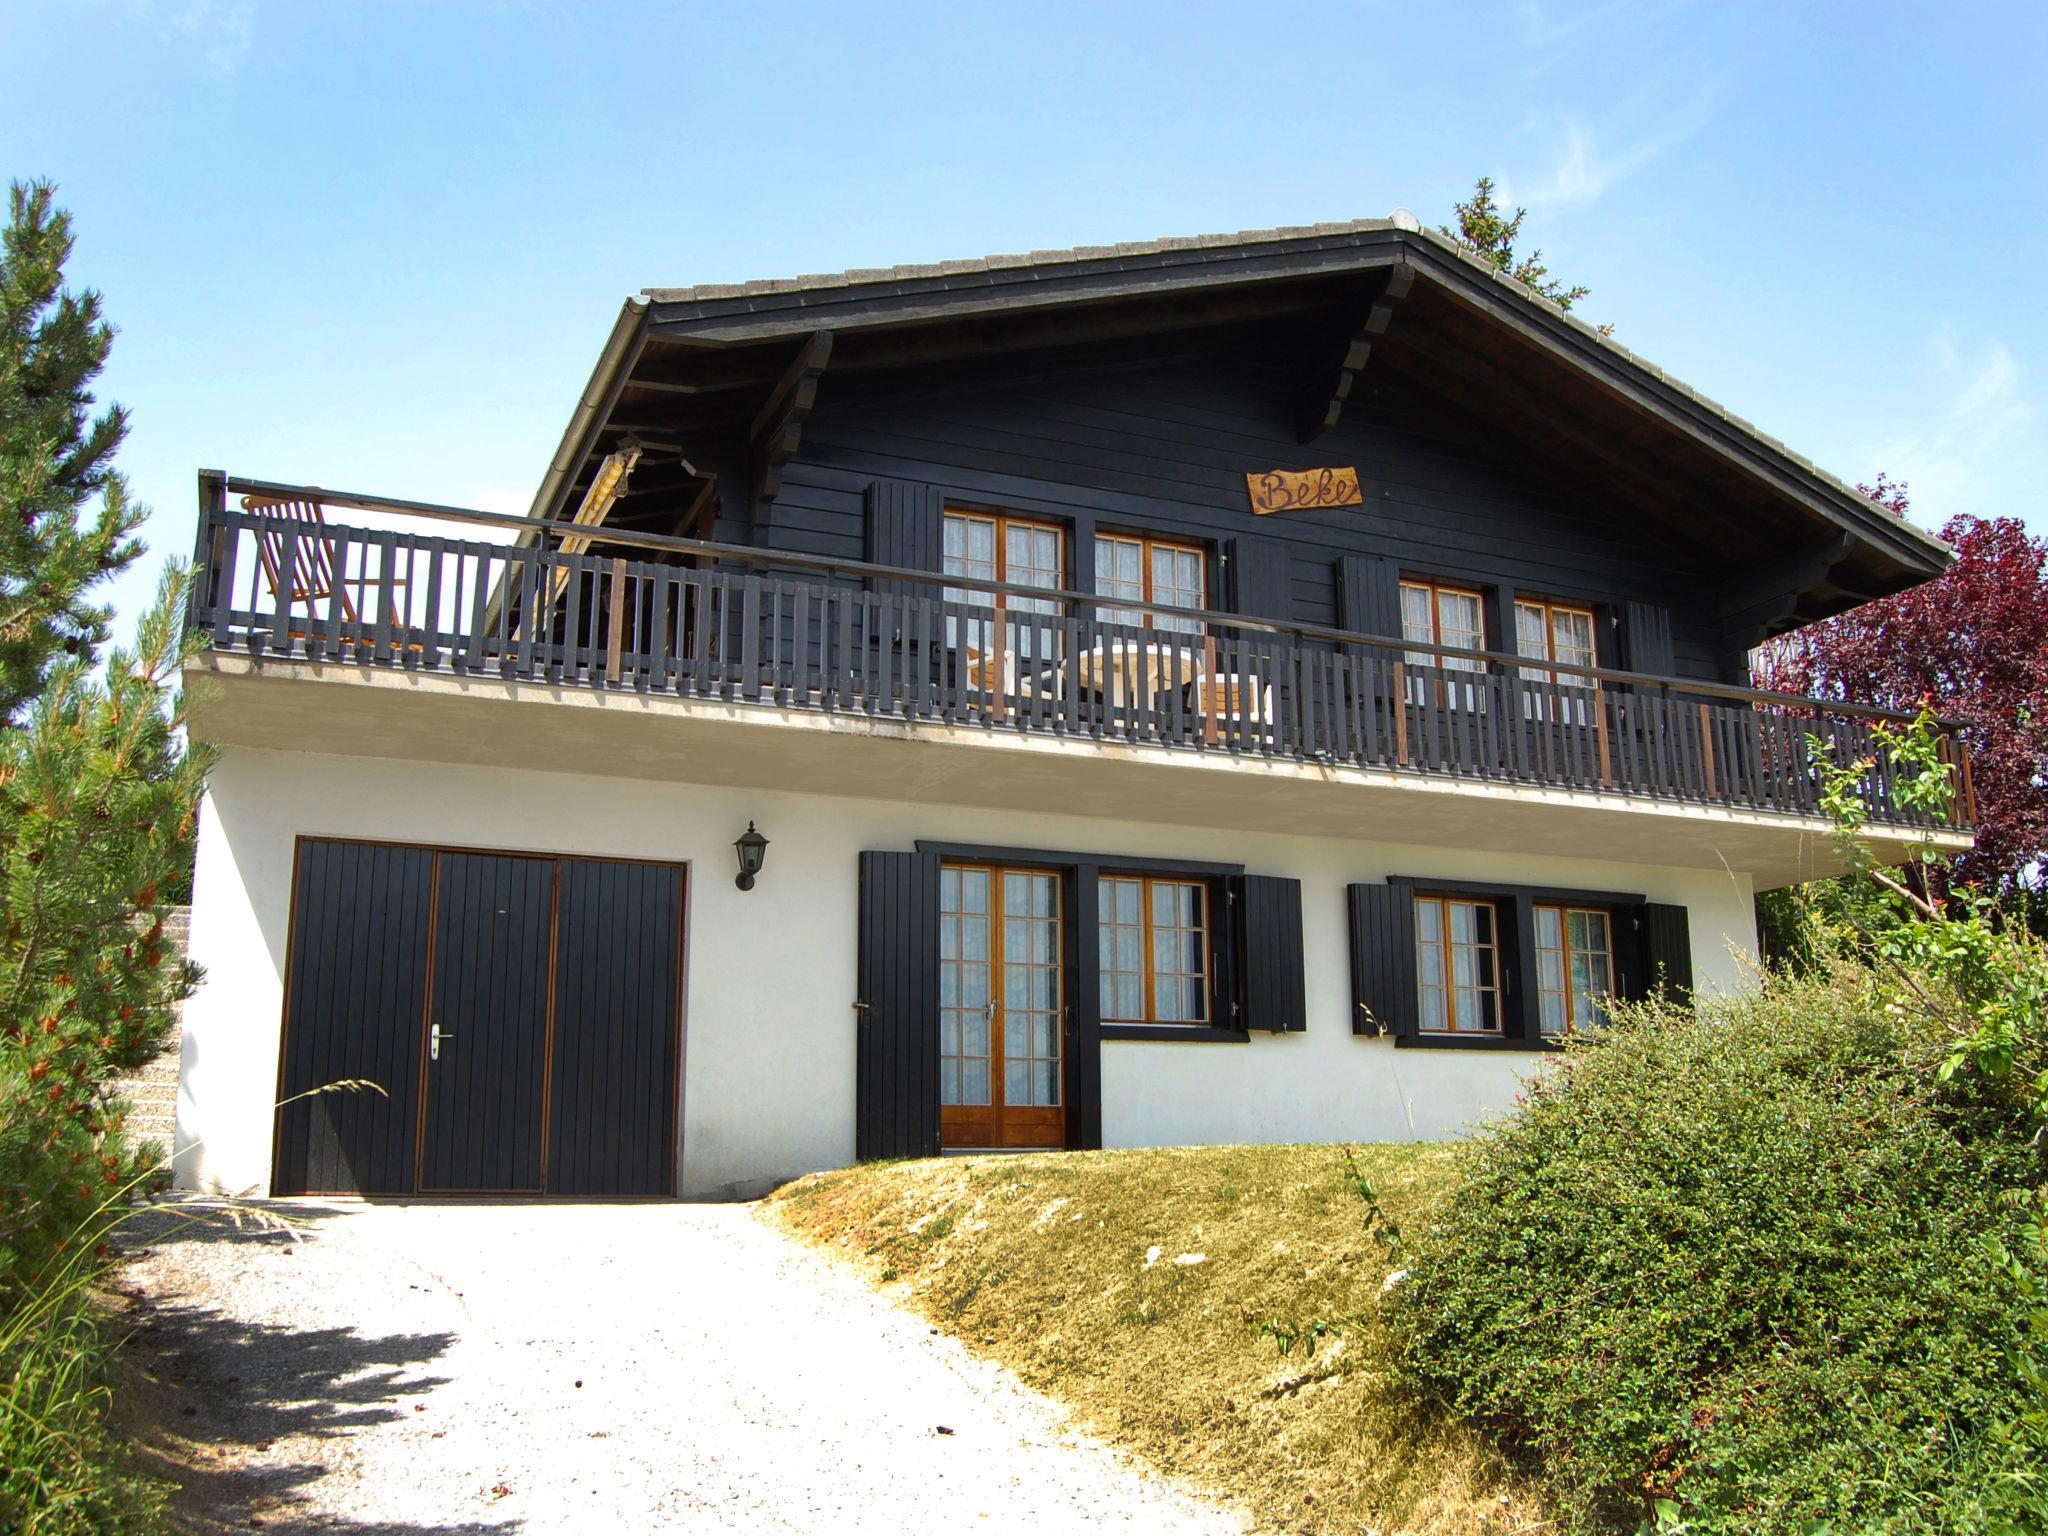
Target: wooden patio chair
1241,701
312,574
316,573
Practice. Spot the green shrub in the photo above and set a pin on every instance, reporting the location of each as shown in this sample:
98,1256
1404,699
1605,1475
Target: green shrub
1729,1272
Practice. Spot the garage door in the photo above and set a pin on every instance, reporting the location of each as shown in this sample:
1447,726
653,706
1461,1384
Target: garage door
462,1022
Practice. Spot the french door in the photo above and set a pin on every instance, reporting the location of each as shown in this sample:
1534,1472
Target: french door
1002,654
1002,1069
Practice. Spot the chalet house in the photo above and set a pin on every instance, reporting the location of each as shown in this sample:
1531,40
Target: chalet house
1243,688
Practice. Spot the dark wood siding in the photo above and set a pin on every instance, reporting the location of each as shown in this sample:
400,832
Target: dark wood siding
357,990
486,1095
1667,949
1164,447
1382,959
617,1030
1272,967
896,1091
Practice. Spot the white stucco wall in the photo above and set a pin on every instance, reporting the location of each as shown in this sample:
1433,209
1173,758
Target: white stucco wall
770,974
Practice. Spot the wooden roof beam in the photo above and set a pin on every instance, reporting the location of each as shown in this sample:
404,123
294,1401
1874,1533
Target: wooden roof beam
1321,401
779,425
1757,607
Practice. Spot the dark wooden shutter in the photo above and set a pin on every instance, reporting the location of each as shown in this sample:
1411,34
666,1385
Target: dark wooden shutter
1382,959
1261,579
1268,912
1083,1023
1369,595
896,1110
1646,639
906,527
1667,949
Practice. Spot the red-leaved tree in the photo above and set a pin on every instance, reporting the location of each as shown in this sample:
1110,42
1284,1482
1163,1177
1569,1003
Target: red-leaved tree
1975,641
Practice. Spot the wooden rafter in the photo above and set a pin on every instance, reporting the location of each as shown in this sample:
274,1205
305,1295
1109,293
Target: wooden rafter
1321,400
1754,609
779,425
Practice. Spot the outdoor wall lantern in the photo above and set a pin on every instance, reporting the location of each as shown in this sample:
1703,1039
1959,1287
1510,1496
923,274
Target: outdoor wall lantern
752,848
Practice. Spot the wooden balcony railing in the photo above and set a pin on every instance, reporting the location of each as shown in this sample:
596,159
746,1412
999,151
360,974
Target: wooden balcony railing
684,617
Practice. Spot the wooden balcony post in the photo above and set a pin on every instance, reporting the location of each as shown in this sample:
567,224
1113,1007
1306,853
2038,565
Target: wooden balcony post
1707,753
1401,712
615,641
1967,802
1600,737
1209,689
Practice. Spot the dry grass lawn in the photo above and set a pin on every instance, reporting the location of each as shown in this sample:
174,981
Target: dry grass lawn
1131,1285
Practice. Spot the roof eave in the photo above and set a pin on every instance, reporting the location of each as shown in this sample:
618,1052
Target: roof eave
614,364
914,296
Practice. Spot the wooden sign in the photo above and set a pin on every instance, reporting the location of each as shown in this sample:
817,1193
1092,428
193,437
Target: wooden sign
1293,490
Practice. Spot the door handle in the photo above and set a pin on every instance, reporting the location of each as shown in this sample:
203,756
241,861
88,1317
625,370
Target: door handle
434,1038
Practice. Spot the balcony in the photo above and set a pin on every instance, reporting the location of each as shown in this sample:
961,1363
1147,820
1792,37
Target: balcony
687,631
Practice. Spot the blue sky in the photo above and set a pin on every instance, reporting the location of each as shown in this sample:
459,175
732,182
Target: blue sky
378,245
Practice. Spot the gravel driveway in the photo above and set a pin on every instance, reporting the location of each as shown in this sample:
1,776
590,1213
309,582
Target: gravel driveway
590,1368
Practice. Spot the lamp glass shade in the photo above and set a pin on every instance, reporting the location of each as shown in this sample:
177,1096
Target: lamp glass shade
752,849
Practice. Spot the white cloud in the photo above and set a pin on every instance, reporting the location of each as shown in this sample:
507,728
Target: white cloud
1582,171
223,29
1970,436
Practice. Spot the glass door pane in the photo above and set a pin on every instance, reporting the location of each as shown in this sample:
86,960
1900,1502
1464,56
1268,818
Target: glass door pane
965,960
970,553
1031,990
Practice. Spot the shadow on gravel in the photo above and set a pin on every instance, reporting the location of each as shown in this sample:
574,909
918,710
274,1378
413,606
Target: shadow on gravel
270,1223
204,1396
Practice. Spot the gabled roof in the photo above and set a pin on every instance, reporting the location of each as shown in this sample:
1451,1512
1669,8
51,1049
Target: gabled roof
1485,341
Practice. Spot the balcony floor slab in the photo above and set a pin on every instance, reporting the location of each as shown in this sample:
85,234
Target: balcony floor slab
439,717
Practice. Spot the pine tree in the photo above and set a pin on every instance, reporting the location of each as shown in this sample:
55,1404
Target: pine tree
98,794
1488,232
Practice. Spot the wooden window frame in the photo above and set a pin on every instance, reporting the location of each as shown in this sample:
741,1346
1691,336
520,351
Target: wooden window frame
1148,972
1570,699
987,672
1003,521
1448,986
1563,951
1147,543
1550,607
1448,694
1436,589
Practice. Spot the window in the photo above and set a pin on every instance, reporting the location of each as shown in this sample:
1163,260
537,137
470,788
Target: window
1574,966
984,546
1556,632
1155,950
1457,964
1440,615
1141,572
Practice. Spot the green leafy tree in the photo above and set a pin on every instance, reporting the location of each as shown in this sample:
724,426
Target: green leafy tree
98,794
1489,232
